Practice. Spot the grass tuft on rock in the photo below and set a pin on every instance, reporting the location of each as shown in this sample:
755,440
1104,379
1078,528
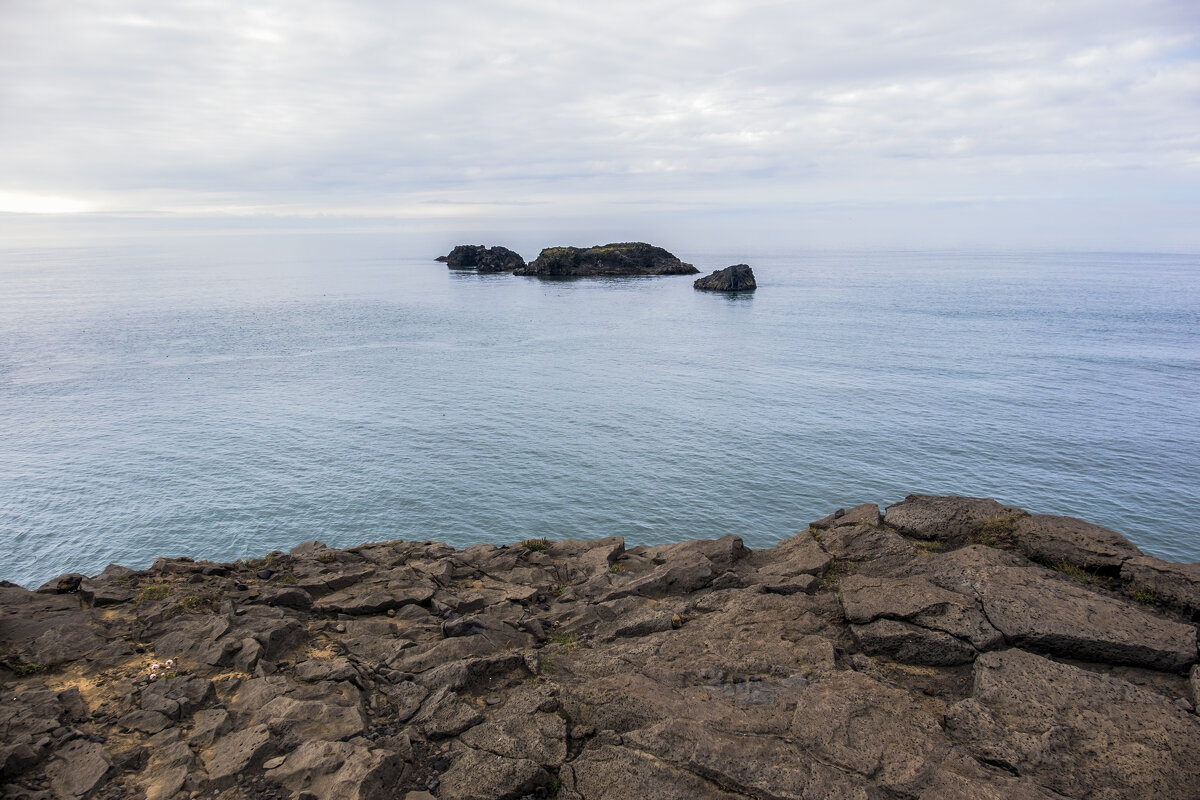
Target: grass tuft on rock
152,592
833,576
996,530
1143,595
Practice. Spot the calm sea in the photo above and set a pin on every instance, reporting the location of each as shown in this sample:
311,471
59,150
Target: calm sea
226,397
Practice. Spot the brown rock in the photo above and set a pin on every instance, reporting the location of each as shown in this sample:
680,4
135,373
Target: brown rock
443,715
866,514
911,644
858,724
207,725
482,775
685,573
880,550
234,753
520,731
698,669
1040,610
340,771
1176,585
312,719
1066,540
1076,732
1056,616
751,765
78,769
373,599
917,601
619,773
953,520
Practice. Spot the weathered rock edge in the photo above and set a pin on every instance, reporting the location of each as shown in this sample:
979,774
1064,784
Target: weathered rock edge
952,647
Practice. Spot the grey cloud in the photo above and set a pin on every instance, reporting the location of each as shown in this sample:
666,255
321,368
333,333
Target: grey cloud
305,107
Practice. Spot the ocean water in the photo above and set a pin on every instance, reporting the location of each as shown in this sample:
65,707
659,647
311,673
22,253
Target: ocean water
224,397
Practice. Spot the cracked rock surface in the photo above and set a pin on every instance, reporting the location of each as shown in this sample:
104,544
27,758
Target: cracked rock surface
947,648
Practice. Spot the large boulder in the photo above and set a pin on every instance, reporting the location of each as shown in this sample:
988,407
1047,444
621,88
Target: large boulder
737,278
622,258
484,259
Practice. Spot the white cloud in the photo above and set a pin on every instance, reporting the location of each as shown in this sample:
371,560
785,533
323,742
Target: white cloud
377,108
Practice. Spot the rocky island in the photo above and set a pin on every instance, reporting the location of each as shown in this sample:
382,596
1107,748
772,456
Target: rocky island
483,259
622,258
948,648
736,278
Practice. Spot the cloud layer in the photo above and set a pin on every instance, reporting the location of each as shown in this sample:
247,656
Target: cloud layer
931,123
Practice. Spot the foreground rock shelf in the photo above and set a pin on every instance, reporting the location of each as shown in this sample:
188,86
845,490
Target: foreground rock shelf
951,648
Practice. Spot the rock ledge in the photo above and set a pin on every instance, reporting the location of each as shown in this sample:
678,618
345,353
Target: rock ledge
950,647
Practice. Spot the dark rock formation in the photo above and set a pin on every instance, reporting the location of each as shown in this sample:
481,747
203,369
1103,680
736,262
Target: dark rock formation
625,258
950,648
738,278
484,259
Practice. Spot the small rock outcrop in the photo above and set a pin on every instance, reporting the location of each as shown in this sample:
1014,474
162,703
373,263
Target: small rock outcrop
737,278
623,258
951,647
483,259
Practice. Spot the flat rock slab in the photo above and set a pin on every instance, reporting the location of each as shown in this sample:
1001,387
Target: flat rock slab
619,773
919,602
481,775
1054,615
911,644
234,753
1076,732
340,771
1065,540
1040,610
373,599
867,728
865,514
880,549
953,520
79,768
1173,584
756,766
526,728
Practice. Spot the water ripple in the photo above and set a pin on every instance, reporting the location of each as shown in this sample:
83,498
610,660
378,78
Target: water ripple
219,404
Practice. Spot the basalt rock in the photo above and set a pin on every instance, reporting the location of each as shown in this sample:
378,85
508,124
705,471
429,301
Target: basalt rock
622,258
484,259
737,278
954,647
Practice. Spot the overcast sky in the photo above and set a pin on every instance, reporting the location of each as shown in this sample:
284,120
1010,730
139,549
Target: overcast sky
903,123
